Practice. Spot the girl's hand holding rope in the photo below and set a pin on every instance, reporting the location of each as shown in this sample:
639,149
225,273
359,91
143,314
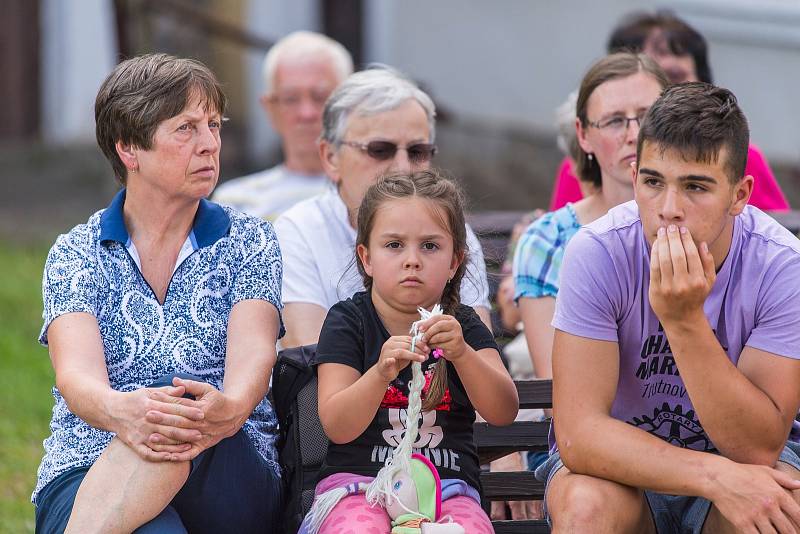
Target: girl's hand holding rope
444,332
396,355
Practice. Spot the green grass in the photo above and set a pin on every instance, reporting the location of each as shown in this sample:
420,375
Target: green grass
25,381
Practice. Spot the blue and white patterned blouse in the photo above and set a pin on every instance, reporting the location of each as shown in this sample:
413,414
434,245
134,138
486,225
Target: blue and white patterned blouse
228,257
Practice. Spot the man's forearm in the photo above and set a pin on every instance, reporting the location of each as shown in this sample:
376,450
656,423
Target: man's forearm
303,323
604,447
741,420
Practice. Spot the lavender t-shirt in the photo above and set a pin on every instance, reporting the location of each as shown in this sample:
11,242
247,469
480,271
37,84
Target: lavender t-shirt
755,302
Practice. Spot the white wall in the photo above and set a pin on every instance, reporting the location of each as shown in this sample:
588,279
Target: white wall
509,62
755,52
78,50
512,62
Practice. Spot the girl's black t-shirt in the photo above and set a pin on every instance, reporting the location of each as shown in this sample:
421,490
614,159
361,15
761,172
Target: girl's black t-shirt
353,335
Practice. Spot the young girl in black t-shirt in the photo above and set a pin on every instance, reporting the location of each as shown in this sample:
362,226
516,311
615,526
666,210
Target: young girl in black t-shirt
411,250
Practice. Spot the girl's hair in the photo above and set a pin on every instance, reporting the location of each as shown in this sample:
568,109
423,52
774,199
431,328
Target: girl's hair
611,67
447,196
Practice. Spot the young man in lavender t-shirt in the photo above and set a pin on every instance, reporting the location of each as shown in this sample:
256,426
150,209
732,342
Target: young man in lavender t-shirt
676,359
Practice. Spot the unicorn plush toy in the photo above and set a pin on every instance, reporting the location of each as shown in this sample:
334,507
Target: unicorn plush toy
415,505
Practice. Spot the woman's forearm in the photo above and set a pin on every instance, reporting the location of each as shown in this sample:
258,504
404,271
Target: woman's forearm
247,382
76,351
250,357
537,316
90,398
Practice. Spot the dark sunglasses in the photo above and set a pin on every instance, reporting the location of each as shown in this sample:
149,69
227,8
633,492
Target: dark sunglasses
386,150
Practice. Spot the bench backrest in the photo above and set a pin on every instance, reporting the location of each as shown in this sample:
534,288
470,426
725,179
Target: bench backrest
494,442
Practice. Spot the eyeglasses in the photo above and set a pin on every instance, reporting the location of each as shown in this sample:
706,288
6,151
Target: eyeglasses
386,150
293,100
617,125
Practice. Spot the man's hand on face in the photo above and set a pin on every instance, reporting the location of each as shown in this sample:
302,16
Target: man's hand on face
681,276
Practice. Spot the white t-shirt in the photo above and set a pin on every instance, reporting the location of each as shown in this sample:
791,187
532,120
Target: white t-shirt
318,249
269,193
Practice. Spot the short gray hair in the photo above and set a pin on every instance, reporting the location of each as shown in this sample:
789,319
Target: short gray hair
302,45
369,92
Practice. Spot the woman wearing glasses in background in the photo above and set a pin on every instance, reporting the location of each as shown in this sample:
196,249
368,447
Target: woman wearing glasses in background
682,52
613,98
376,122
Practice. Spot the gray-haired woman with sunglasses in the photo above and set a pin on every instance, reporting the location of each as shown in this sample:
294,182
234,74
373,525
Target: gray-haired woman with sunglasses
376,122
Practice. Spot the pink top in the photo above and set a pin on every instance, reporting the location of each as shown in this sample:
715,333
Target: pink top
767,194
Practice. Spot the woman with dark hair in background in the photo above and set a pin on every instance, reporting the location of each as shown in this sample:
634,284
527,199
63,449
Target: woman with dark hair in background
683,54
161,315
677,47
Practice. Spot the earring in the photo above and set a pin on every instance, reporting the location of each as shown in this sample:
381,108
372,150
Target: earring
590,156
449,280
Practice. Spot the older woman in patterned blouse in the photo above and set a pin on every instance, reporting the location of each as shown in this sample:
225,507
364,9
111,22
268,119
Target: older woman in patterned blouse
161,314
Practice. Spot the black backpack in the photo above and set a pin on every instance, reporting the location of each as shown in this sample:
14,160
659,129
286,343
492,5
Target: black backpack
302,443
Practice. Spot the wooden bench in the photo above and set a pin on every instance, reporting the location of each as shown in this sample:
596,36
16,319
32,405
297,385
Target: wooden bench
495,442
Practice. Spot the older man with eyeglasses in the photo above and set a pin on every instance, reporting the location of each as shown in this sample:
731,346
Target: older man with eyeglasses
300,72
376,122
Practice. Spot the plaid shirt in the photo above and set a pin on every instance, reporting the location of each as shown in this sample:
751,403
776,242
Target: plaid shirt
538,256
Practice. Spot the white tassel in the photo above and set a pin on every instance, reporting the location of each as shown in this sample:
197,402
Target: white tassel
380,489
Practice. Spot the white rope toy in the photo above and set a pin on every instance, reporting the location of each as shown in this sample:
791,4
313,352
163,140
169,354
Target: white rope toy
379,490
